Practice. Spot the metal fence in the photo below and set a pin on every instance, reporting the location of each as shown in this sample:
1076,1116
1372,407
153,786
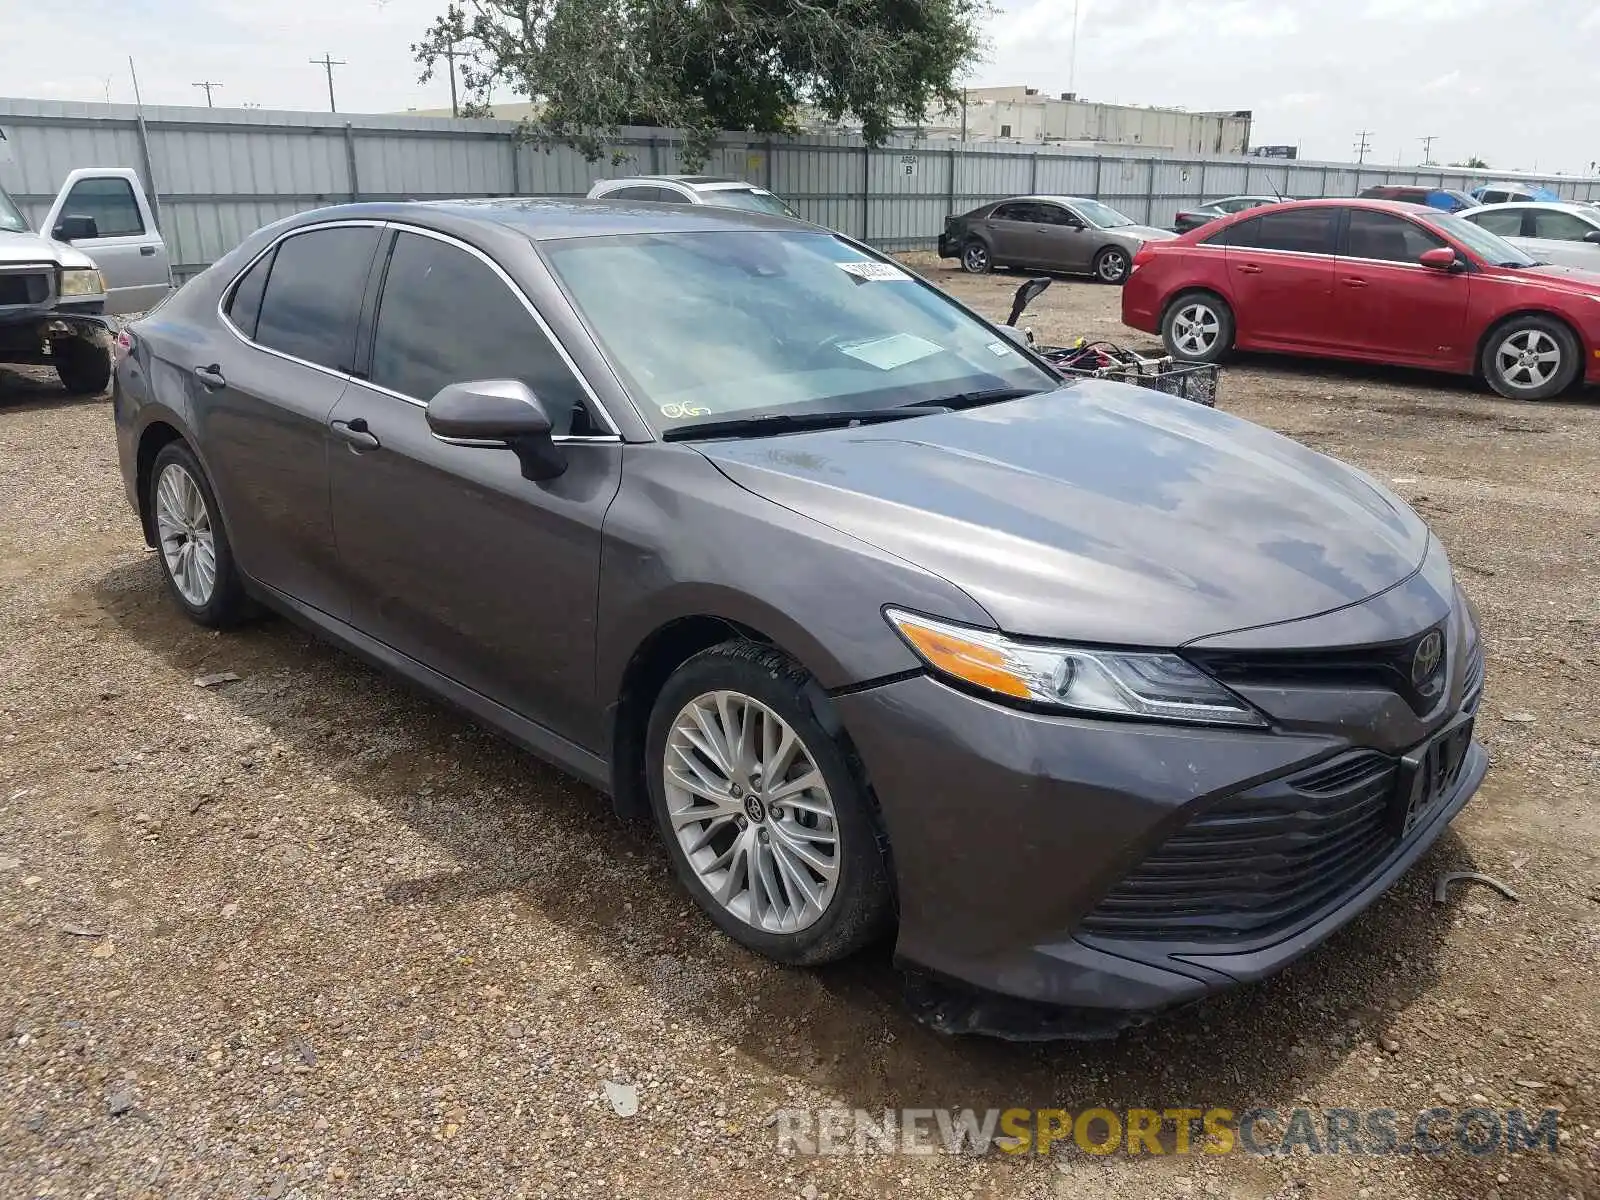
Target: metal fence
217,175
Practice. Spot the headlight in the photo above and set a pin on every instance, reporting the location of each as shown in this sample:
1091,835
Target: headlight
82,281
1152,686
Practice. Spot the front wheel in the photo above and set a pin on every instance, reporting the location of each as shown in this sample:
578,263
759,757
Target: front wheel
196,556
1111,265
975,258
1531,358
1197,327
83,367
764,813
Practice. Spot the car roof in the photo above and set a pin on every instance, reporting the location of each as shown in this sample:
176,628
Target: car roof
709,183
549,218
1582,210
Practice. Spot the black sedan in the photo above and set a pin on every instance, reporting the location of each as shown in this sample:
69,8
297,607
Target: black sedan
1193,218
1088,695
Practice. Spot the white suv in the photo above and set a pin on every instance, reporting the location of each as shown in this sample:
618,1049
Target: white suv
691,189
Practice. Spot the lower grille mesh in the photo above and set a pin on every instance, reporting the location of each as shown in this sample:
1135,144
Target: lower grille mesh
1260,861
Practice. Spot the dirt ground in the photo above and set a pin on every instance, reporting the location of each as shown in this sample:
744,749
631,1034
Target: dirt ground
310,934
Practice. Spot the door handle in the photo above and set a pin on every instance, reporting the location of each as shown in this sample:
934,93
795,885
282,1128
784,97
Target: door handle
1354,282
355,432
1249,269
147,251
211,377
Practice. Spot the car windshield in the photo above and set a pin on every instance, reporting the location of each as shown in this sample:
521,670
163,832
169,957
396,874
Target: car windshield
748,198
706,327
1490,247
1099,214
10,219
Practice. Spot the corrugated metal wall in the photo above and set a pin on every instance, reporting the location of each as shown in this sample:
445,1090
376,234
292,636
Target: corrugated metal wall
219,174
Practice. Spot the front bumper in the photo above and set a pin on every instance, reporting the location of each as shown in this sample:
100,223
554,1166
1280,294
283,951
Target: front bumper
1009,829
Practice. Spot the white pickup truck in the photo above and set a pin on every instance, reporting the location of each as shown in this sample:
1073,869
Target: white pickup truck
97,253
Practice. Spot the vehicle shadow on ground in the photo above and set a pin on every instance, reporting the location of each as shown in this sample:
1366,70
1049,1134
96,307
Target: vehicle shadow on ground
845,1029
28,393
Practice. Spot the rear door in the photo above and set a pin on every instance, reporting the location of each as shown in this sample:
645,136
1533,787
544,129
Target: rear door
1280,277
128,249
1014,233
263,397
452,557
1387,304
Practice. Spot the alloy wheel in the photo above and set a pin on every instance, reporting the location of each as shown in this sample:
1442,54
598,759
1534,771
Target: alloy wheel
751,812
188,541
1112,266
975,258
1196,328
1528,359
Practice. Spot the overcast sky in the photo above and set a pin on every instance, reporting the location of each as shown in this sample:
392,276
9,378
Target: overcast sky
1511,80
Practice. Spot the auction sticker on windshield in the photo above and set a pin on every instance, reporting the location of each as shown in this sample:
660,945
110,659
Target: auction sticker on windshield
873,272
887,353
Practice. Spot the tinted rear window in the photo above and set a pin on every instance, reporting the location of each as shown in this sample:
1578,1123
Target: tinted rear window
1302,230
313,296
244,307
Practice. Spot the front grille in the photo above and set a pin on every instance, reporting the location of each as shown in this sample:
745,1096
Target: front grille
1388,666
24,287
1261,861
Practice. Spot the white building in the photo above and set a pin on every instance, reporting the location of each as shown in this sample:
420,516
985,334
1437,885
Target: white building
1021,114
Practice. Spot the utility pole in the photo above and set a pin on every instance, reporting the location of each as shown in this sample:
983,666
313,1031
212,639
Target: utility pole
1427,149
328,63
208,84
1363,146
1072,58
450,56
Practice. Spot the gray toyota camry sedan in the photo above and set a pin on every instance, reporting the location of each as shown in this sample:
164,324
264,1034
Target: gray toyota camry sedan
1094,700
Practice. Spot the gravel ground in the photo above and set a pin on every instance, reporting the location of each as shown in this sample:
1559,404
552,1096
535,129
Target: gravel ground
307,933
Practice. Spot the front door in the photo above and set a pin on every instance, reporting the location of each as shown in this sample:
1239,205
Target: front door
1280,278
127,247
1388,304
263,394
1067,243
1556,236
452,557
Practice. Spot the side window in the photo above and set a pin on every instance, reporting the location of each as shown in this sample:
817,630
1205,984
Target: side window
1386,237
640,193
1559,226
1300,230
313,295
446,317
1507,222
1240,233
244,306
1018,211
1493,198
110,202
1054,214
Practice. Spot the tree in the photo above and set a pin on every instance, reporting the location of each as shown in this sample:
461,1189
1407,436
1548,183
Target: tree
591,66
1473,164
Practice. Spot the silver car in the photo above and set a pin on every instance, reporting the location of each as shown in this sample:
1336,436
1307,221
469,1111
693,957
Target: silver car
1049,233
1565,234
692,189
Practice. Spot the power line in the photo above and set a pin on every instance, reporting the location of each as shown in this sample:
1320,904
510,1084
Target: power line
328,63
1363,147
1427,148
208,84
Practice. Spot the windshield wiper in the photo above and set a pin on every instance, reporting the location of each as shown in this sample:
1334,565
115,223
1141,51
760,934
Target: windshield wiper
986,396
771,423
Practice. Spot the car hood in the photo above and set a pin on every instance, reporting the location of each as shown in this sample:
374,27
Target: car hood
1099,512
1143,233
1573,280
31,248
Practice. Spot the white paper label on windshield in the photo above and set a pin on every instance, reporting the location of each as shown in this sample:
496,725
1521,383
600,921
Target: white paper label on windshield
999,349
873,272
887,353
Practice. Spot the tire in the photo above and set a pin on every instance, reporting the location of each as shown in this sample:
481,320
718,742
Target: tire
184,514
1197,327
975,257
1517,360
1112,265
83,367
768,908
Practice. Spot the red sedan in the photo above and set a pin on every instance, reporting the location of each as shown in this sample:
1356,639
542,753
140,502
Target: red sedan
1374,281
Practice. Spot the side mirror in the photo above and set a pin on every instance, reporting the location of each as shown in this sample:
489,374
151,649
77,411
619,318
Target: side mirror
1593,236
498,413
75,229
1441,258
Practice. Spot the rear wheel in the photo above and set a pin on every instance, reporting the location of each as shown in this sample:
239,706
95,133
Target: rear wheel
1197,327
764,813
1111,265
196,555
975,258
1531,358
83,367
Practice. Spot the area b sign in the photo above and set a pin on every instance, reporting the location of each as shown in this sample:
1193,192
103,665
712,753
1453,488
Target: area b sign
908,165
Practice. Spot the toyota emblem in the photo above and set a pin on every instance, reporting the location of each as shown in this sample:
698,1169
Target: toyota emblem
1426,658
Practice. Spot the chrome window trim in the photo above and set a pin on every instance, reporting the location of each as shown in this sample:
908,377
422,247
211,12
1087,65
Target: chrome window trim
559,438
583,382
